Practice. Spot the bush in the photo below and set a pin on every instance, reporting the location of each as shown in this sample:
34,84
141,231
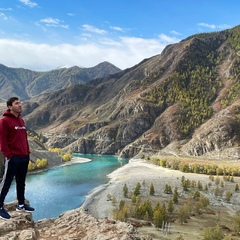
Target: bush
212,233
65,156
38,164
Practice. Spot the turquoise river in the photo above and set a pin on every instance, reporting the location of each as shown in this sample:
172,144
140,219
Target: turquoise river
63,188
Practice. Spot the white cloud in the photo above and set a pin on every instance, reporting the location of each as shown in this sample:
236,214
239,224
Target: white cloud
175,33
90,28
3,16
168,40
124,53
109,42
28,3
71,14
53,22
117,28
6,9
213,26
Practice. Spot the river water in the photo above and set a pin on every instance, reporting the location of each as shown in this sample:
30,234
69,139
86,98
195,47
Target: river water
63,188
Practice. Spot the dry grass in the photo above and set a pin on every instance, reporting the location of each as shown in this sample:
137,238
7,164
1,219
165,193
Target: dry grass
219,212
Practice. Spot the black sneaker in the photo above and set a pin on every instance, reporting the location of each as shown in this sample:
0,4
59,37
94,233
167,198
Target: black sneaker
25,208
4,214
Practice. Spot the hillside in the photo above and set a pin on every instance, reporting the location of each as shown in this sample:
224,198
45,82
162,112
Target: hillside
184,101
38,151
27,84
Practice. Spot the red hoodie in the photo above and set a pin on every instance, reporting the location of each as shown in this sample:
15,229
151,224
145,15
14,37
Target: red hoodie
13,136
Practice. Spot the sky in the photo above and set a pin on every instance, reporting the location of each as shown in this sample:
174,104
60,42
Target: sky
43,35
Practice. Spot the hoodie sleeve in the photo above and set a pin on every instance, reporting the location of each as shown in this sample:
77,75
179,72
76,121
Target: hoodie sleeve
3,139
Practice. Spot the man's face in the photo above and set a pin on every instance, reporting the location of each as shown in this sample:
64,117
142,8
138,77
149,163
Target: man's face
16,107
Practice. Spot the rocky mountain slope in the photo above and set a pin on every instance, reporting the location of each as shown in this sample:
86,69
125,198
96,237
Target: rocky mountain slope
183,101
26,84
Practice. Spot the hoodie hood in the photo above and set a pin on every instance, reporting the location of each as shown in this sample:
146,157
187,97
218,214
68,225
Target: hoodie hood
8,113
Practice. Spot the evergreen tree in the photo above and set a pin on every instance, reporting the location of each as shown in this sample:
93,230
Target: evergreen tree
121,204
157,219
217,181
114,200
125,190
159,215
200,187
137,189
170,206
134,199
152,191
148,209
138,200
185,186
125,213
228,196
183,179
196,195
168,189
175,195
183,213
204,201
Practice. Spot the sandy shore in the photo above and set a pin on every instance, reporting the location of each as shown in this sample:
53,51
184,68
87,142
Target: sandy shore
137,170
76,160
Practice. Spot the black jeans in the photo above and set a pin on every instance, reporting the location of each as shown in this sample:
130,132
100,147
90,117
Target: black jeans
15,167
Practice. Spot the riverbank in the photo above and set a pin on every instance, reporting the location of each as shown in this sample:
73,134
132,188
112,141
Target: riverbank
74,160
99,205
137,170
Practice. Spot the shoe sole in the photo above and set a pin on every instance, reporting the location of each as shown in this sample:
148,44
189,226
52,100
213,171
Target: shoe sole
23,210
5,218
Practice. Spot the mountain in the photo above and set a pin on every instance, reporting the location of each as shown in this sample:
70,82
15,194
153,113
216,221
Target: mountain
27,84
184,101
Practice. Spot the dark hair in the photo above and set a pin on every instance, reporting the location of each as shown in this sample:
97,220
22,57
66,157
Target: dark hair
11,100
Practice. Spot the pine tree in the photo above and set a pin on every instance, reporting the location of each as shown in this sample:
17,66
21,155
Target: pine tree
200,187
114,200
125,190
228,196
157,219
170,206
175,195
152,191
134,199
121,204
137,189
196,195
183,213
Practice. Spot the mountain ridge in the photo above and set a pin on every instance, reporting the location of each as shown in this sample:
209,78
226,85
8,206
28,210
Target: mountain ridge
26,83
165,103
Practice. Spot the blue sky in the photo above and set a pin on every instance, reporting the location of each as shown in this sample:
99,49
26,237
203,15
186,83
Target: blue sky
43,35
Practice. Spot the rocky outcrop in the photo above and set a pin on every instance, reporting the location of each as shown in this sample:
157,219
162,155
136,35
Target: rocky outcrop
73,224
216,138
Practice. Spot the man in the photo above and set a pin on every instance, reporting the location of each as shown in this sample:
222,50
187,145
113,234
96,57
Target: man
15,149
